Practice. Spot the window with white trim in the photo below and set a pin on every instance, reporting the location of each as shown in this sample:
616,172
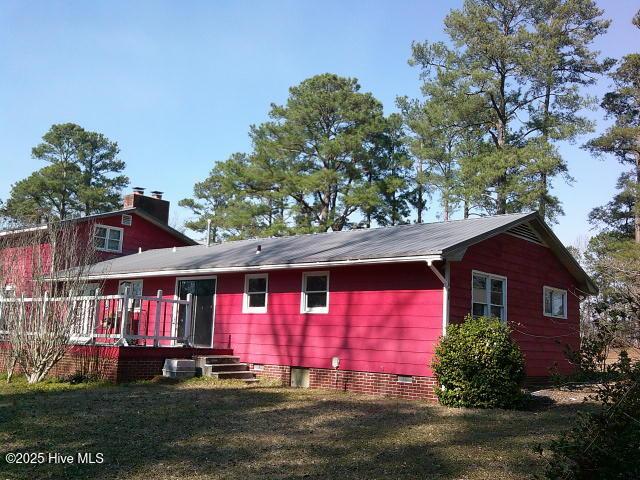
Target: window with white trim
9,291
255,293
107,238
315,292
489,296
134,288
554,302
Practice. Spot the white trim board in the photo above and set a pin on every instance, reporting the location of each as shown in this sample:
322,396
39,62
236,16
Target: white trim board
259,268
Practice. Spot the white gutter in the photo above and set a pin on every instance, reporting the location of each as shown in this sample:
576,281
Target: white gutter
253,268
445,292
23,230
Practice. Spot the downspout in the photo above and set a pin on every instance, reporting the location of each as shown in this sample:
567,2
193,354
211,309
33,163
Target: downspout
445,292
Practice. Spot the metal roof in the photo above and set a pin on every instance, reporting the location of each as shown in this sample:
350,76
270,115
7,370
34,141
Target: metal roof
426,241
415,240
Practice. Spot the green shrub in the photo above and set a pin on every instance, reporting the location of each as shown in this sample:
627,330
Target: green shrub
477,364
604,444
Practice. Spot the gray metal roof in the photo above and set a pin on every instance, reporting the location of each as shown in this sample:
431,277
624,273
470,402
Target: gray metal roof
440,240
415,240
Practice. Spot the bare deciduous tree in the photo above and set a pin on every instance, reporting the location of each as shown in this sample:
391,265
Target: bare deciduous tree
42,271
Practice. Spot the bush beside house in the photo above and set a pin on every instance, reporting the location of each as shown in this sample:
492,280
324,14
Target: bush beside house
477,364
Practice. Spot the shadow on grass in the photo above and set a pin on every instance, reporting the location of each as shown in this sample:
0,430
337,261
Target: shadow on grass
213,430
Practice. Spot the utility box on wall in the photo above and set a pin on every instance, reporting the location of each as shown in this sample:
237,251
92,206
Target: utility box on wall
300,377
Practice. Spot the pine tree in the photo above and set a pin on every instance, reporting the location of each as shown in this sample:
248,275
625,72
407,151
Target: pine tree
324,156
622,139
490,75
84,176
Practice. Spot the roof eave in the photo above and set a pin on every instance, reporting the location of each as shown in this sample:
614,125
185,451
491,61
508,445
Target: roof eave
267,267
188,240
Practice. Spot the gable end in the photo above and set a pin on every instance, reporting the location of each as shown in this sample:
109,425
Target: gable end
525,232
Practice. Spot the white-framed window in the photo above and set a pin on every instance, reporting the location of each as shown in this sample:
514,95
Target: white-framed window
489,295
135,289
255,293
89,289
315,292
107,238
554,302
8,291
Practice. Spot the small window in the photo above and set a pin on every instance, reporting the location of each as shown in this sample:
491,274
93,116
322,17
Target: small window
555,302
134,288
405,379
9,291
489,296
255,293
107,239
89,290
315,292
126,220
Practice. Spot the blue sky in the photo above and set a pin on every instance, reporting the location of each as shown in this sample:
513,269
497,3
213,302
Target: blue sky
177,84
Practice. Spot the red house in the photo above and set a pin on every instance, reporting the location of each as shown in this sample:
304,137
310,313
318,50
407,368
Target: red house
363,310
142,224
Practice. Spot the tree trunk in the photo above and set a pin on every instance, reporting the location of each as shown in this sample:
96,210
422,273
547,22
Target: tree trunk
542,201
420,203
637,205
501,199
446,208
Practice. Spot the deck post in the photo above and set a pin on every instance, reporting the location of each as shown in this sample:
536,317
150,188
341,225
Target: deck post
156,329
125,317
94,319
187,318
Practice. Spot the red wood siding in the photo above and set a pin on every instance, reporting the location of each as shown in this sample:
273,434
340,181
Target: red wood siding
383,318
528,267
141,233
17,264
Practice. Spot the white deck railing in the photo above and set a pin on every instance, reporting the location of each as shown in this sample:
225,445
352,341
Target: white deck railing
120,319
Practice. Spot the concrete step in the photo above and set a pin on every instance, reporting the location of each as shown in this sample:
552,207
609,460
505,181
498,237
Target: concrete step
222,367
211,359
228,375
227,367
204,360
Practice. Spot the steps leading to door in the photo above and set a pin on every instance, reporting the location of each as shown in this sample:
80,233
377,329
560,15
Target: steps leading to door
223,367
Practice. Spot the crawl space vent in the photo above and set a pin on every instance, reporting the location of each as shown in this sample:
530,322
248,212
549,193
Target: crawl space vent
405,379
300,377
126,220
525,231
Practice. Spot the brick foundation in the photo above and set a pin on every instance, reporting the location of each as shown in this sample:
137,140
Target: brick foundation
370,383
117,364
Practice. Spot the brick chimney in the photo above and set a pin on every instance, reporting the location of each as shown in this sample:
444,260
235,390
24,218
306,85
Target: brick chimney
153,205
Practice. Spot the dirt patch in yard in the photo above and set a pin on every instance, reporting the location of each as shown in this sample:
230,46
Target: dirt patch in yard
574,395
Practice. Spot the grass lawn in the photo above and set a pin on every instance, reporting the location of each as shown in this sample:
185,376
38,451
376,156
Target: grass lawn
207,429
